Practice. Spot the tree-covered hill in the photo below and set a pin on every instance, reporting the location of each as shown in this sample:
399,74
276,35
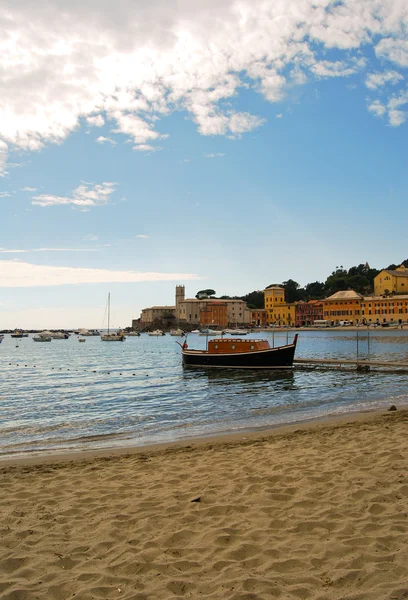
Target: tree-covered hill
360,279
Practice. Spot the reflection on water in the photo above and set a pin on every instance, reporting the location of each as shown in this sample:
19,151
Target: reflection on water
70,395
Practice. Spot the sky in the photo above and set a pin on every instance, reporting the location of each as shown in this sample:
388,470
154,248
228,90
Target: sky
224,144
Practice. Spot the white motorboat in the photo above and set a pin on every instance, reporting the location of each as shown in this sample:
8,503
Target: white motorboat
42,337
236,332
156,332
210,332
176,332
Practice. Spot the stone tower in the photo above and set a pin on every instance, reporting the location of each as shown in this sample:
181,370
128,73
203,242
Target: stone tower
180,296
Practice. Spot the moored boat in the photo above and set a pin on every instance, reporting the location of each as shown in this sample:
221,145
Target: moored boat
235,353
42,337
112,336
176,332
18,333
156,332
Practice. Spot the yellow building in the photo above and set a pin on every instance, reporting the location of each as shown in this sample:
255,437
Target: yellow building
343,306
391,281
285,314
278,311
384,309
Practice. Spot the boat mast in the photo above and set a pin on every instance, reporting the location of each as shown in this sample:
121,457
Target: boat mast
108,311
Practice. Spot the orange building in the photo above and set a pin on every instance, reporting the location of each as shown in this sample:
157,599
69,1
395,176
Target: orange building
343,306
259,317
214,314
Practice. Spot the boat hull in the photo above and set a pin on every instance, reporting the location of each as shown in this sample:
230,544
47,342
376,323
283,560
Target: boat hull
273,358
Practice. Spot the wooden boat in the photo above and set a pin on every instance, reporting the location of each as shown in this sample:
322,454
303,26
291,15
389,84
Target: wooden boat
235,353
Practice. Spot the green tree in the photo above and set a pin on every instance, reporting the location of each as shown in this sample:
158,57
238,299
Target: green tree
292,291
254,299
205,294
314,291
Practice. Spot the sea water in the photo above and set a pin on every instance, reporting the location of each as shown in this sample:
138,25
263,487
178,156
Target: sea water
66,395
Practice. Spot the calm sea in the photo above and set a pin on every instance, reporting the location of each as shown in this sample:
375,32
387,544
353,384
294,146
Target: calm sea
66,395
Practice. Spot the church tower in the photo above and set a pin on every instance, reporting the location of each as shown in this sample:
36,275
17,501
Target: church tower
180,296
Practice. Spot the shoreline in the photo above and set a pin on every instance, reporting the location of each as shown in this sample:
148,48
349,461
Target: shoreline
217,439
311,511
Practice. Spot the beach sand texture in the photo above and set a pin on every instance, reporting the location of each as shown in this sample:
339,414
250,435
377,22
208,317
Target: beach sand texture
309,512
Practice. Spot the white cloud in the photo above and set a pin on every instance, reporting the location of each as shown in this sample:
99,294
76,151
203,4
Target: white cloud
131,67
28,189
393,49
90,237
4,195
84,196
326,68
28,251
142,236
375,80
3,158
214,155
145,148
279,116
377,108
96,121
392,108
22,274
102,139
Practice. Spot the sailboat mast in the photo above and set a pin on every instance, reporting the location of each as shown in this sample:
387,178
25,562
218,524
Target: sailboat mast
108,311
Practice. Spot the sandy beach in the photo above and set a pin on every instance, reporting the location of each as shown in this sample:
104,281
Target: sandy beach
313,511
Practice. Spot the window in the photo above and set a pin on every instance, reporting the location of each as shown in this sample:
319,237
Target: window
233,347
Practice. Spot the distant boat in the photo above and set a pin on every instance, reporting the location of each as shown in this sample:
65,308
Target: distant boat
236,331
87,332
177,332
235,353
81,340
56,335
42,337
210,332
115,336
19,333
156,332
1,338
133,334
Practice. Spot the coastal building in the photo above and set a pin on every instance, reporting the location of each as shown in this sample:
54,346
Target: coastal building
284,314
189,310
149,315
391,281
274,296
384,309
214,314
308,312
343,306
259,317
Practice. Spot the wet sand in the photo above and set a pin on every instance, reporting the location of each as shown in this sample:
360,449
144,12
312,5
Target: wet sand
309,511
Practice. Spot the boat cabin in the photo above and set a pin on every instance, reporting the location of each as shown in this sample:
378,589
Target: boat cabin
231,345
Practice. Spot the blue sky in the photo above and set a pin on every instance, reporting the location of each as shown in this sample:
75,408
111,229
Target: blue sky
227,146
